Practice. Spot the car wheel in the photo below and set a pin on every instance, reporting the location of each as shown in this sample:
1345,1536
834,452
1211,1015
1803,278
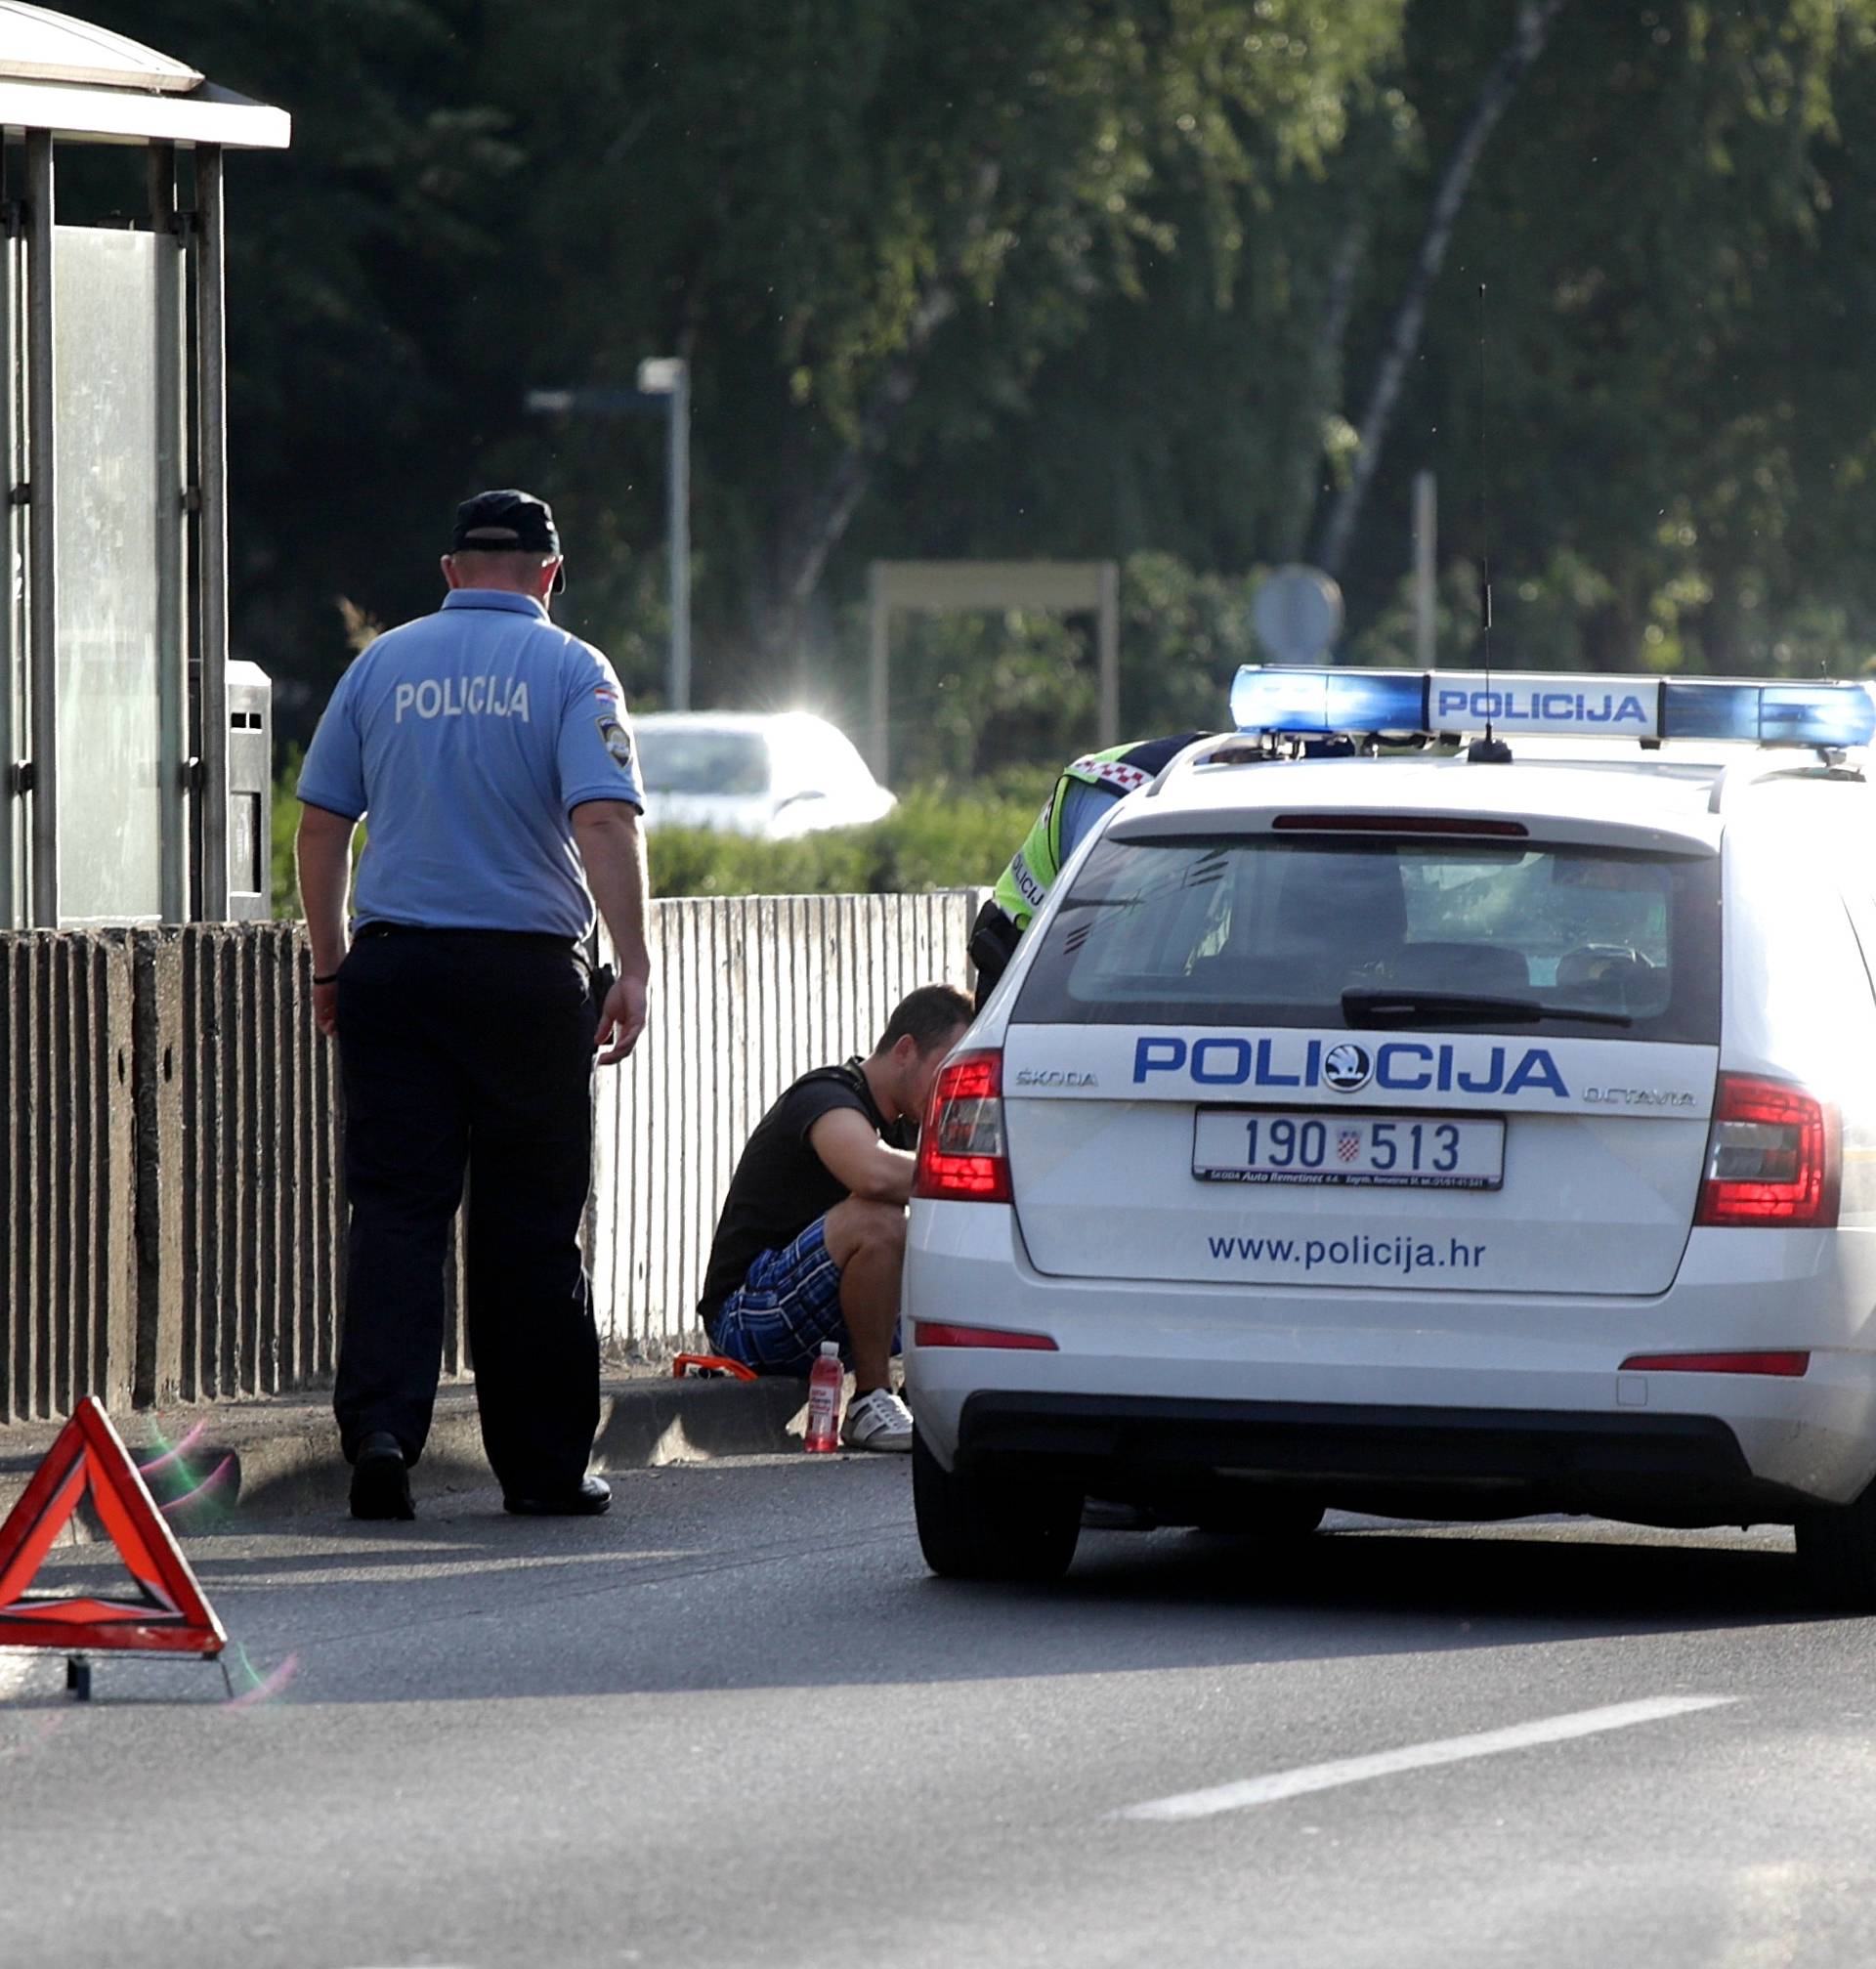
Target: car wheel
974,1527
1837,1553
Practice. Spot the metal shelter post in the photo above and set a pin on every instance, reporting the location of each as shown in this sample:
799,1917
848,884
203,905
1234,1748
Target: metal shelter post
878,642
1425,566
664,379
680,537
1108,643
42,621
212,522
12,547
172,567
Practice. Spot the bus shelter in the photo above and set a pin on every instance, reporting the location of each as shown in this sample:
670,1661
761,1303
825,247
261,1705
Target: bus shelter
116,704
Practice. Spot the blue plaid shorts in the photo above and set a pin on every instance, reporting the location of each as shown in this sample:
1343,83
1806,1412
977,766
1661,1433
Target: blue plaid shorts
786,1306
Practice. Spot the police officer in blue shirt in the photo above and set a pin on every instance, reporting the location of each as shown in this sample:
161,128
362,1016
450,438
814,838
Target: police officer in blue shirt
490,755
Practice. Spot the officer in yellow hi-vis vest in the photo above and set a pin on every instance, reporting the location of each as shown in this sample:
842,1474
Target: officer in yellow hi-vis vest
1083,792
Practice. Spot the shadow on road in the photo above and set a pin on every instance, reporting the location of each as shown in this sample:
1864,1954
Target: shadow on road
477,1608
1580,1575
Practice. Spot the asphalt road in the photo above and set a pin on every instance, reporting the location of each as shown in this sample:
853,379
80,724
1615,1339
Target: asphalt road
736,1723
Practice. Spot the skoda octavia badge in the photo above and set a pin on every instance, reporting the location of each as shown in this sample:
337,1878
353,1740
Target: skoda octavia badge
1346,1067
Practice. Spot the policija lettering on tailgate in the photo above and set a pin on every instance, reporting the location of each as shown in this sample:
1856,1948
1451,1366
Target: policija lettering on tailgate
1401,1066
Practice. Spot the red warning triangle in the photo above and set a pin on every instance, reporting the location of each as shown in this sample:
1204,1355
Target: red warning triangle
171,1617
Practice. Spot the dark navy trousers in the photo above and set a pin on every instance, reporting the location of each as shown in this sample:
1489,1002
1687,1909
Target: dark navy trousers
469,1053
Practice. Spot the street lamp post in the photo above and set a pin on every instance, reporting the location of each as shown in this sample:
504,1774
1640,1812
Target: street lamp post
665,379
670,377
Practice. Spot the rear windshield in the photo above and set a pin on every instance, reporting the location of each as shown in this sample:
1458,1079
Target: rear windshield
1316,933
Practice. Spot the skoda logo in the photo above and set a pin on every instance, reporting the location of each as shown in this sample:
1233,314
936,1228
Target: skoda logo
1346,1067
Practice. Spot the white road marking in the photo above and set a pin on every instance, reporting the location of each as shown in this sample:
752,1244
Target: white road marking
1279,1785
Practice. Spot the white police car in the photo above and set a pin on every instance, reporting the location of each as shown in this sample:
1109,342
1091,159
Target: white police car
1425,1136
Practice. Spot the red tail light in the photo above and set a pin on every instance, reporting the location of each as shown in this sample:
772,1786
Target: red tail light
962,1154
941,1333
1791,1365
1773,1157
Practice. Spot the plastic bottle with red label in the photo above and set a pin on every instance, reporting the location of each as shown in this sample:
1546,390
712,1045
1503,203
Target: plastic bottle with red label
823,1400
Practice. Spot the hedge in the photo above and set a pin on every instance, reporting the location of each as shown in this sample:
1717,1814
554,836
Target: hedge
939,836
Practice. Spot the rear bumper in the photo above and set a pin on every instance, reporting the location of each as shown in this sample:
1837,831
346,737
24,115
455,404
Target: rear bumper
1445,1404
1412,1462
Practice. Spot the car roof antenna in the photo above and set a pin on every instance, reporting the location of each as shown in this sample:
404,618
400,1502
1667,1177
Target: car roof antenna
1488,750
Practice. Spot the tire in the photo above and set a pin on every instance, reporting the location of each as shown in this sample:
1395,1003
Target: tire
1837,1553
972,1526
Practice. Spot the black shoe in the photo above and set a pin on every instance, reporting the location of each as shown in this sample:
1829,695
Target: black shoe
593,1496
380,1483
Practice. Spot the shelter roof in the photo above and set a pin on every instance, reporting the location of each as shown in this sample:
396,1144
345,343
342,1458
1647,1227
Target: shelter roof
48,47
80,81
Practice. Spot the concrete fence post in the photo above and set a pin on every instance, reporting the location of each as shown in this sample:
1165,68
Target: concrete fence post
67,1181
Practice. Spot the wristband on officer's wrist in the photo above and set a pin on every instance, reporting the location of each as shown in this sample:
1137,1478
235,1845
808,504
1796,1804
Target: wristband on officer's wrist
331,977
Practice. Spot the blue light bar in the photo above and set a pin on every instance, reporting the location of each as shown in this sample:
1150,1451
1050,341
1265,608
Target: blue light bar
1770,714
1268,698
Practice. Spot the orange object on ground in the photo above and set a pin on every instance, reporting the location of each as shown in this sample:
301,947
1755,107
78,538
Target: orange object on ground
709,1365
170,1619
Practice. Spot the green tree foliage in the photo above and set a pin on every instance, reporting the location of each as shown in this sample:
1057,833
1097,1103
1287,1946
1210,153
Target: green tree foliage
1672,231
860,222
910,209
1071,277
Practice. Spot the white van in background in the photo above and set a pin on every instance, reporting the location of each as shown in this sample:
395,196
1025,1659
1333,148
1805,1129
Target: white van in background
774,775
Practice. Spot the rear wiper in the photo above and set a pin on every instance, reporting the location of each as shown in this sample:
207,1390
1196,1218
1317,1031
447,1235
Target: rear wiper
1380,1008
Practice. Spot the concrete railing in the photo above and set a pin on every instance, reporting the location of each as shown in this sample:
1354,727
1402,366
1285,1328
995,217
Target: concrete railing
67,1172
167,1168
748,992
171,1222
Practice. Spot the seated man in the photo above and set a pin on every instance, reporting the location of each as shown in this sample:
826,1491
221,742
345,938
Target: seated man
813,1231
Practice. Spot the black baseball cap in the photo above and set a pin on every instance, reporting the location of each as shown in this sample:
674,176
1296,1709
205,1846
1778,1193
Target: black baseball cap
506,521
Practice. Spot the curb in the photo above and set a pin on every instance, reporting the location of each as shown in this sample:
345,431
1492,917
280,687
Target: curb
280,1457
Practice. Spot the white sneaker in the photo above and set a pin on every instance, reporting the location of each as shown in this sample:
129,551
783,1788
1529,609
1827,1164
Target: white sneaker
877,1421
